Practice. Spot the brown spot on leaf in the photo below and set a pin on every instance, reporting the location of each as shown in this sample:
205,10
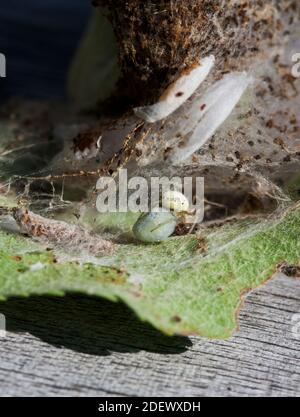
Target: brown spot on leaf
176,319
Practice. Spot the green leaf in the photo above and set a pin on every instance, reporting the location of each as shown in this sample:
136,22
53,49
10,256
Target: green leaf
176,286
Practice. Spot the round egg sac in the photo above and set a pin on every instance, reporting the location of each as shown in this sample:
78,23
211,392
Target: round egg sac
154,226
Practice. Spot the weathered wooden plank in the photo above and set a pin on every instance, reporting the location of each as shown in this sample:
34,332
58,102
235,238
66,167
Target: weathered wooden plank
82,346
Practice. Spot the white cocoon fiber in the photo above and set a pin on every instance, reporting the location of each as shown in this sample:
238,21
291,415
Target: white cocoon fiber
177,93
208,112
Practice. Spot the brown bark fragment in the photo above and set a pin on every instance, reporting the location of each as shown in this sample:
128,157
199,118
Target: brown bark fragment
61,234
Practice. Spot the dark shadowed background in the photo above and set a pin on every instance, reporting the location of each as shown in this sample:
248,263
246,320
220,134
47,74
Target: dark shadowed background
38,38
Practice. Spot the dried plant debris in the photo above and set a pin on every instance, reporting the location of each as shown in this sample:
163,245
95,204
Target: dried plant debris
61,234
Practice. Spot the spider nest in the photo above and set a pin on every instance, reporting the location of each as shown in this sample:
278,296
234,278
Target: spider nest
205,89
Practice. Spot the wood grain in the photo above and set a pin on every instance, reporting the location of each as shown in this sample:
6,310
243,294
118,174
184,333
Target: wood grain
80,346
